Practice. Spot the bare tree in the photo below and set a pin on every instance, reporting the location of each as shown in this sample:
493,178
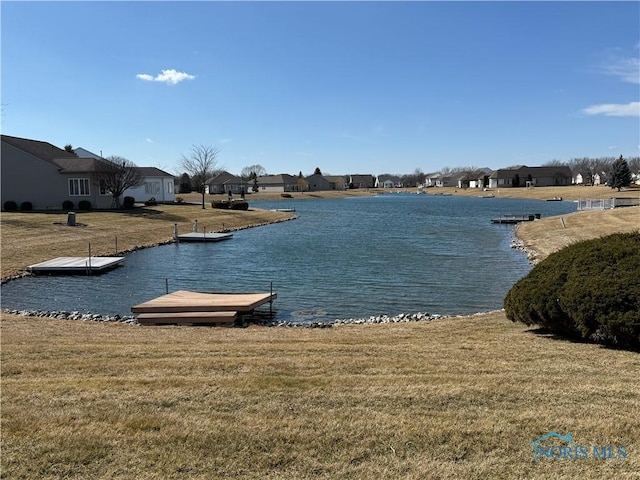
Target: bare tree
114,175
252,172
201,165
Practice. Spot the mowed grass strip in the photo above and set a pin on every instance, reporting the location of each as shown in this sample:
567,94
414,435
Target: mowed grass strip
455,398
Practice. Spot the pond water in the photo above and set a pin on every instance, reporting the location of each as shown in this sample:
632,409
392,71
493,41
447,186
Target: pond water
341,258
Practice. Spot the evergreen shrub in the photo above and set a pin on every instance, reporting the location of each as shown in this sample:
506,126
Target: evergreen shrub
589,290
84,205
128,202
10,206
67,205
26,206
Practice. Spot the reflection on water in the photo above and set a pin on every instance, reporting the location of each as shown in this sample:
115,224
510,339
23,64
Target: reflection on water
341,258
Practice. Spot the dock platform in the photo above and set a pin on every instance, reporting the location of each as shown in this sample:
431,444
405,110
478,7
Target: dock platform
204,237
76,265
199,308
515,218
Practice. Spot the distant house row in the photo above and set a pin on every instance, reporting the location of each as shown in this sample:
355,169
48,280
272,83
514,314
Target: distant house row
226,182
47,176
520,176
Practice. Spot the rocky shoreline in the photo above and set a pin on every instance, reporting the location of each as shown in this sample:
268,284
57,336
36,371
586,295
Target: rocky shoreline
131,319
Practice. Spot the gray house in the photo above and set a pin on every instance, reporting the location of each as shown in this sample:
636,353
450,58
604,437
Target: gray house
523,176
278,183
362,181
226,182
45,175
317,182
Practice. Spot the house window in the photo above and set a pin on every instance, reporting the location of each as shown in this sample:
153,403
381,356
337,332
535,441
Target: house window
103,188
170,187
152,188
78,187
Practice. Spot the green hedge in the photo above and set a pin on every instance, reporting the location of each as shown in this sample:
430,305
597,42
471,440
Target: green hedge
589,290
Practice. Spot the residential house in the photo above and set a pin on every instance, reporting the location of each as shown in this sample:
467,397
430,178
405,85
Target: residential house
389,181
523,176
362,181
317,182
225,182
156,184
278,183
431,179
337,182
45,175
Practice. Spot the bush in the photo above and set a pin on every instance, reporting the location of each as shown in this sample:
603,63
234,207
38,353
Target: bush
26,206
67,205
589,290
239,205
10,206
224,204
151,201
84,205
179,200
128,202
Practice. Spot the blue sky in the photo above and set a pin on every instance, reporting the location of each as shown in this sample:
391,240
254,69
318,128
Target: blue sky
349,87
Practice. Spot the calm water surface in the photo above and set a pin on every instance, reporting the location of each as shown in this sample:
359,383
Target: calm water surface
341,258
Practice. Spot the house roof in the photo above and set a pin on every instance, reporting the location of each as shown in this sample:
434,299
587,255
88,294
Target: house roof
76,165
277,179
153,172
225,177
43,150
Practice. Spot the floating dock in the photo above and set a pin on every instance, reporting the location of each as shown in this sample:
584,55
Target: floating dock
516,218
204,237
76,265
199,308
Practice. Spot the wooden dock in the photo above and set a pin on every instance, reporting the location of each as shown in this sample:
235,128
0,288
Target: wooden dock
204,237
76,265
199,308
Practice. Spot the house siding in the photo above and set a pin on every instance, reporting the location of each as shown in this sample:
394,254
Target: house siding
26,178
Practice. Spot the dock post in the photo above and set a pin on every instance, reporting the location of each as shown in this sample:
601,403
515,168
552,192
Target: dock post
271,300
175,232
166,285
116,246
89,271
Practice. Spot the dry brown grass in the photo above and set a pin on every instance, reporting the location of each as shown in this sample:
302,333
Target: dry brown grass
548,235
456,398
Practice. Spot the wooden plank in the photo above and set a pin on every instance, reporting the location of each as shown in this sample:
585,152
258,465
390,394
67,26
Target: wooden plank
185,301
192,318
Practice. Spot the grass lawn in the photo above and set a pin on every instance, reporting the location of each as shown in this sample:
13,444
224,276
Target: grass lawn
455,398
460,397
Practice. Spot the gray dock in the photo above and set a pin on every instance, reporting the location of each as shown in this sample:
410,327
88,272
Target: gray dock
516,218
204,237
76,265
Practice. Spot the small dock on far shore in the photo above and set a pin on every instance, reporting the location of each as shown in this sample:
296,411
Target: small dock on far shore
516,218
204,237
76,265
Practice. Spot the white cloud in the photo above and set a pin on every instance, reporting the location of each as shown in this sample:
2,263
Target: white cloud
623,67
149,140
631,109
170,77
